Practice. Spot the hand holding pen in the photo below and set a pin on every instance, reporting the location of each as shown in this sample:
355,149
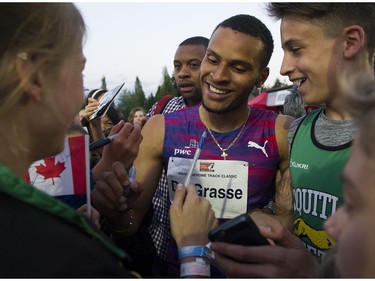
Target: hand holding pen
108,195
127,190
196,156
122,145
102,142
121,130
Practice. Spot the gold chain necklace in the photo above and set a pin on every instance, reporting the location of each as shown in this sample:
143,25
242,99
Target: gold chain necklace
224,153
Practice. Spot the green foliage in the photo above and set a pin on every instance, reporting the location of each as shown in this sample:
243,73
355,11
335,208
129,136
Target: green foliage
104,84
125,102
167,86
256,91
279,84
139,93
150,101
129,99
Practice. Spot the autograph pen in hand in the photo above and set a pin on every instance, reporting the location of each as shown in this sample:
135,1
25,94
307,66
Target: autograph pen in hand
102,142
196,155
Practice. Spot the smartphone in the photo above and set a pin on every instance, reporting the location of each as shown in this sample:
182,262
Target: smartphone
240,230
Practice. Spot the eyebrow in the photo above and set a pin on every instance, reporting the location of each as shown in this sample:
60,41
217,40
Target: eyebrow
288,43
189,61
233,62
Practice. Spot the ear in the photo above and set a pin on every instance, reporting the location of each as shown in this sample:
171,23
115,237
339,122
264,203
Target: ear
262,77
354,40
28,77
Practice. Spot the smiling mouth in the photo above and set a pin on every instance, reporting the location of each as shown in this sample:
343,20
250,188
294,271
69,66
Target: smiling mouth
299,82
217,91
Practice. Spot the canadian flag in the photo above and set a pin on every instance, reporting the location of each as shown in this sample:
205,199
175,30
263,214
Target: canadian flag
66,173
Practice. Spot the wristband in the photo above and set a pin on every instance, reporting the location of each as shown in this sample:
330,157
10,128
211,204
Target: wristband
197,268
194,251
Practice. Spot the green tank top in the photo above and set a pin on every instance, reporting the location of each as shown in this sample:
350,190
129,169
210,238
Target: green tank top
315,172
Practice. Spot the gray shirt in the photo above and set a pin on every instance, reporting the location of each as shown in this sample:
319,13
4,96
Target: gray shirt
330,133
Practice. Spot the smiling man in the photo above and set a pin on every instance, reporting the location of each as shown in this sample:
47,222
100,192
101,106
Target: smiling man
235,62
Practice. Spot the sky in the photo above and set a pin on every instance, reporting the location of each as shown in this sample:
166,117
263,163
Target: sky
130,39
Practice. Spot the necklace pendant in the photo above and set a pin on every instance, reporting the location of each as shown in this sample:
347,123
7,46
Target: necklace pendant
224,155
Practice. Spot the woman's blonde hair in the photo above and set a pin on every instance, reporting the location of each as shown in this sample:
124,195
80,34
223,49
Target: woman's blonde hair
45,33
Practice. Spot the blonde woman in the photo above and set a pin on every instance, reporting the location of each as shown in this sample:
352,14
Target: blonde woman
41,91
137,114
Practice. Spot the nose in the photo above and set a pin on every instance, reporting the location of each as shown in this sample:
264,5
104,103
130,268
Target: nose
286,66
220,73
184,72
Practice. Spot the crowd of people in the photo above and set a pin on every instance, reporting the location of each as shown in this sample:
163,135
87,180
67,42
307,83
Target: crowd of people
305,178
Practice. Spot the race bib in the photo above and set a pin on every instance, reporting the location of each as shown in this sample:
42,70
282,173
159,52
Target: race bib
222,182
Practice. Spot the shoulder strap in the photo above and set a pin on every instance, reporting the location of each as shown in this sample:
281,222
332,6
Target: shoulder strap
312,113
162,103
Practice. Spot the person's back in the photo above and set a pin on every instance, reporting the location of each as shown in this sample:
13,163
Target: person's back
41,242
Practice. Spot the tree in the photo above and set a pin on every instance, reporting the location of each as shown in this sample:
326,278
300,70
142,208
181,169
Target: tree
278,84
104,84
126,101
139,93
129,99
150,101
167,86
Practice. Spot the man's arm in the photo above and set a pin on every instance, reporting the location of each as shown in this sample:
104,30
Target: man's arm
283,192
149,165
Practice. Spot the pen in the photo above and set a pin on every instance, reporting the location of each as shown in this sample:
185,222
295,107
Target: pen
196,155
99,143
127,190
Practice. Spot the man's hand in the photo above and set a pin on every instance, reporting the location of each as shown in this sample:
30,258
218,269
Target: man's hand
288,258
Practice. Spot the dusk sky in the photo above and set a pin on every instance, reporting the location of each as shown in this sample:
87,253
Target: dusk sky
129,39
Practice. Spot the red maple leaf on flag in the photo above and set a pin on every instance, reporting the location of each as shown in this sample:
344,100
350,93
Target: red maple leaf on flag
50,170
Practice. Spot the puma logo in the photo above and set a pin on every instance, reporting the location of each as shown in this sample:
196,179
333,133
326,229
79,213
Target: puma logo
257,146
